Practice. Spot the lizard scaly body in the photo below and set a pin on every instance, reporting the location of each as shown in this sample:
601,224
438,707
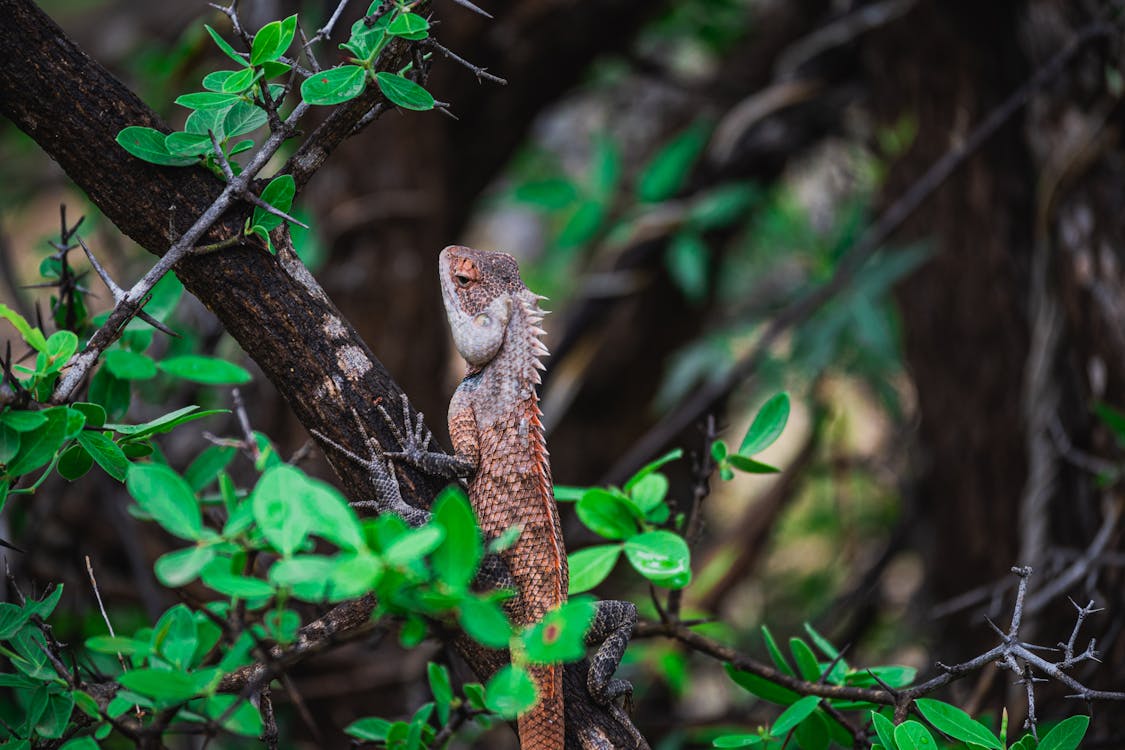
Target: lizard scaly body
494,422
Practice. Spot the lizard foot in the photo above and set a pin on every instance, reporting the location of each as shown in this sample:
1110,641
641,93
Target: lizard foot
610,631
414,446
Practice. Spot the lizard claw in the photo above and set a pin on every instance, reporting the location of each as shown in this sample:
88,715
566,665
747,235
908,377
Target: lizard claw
413,438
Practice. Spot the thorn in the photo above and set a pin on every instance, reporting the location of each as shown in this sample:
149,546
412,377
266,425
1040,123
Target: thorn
466,4
157,324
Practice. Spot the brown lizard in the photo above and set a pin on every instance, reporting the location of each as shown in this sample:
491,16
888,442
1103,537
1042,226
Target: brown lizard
494,422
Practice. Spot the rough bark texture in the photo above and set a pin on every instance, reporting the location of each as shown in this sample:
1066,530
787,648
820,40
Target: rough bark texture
74,109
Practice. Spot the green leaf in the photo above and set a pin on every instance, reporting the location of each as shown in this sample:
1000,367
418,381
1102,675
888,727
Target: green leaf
550,194
33,336
442,689
607,514
53,722
94,413
148,144
567,494
9,446
328,514
409,26
895,676
606,169
485,622
279,194
510,692
335,85
884,729
957,724
413,545
455,561
807,664
116,644
813,732
38,446
649,492
242,118
128,365
206,100
162,684
652,466
776,656
74,462
404,92
665,174
12,618
750,466
174,636
206,467
582,224
81,743
239,82
662,557
767,426
722,206
1067,734
590,566
225,47
217,575
267,44
24,421
206,370
761,687
823,644
912,735
105,452
165,423
737,740
560,635
60,347
370,729
1111,418
309,576
164,495
183,566
239,716
284,523
795,714
214,80
686,259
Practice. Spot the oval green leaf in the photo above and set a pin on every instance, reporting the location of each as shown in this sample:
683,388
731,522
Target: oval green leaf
148,144
164,495
1067,734
404,92
510,692
956,723
767,425
590,566
662,557
206,370
335,85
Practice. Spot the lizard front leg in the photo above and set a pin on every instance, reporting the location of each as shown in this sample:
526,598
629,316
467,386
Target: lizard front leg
414,441
610,632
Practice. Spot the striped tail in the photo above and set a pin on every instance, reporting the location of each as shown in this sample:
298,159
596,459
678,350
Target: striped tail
542,728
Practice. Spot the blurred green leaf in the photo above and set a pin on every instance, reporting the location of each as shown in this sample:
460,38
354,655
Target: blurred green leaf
668,169
164,495
205,370
510,692
607,514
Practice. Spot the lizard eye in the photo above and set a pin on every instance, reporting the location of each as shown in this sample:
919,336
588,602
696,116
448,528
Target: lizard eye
462,280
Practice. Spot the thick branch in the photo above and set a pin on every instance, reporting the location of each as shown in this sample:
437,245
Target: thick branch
73,108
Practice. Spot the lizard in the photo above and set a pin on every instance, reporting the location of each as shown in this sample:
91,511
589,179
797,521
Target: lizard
497,433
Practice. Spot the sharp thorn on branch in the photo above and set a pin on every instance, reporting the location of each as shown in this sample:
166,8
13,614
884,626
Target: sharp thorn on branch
466,4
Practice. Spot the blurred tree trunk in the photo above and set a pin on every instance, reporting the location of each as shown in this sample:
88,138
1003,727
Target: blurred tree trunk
1014,327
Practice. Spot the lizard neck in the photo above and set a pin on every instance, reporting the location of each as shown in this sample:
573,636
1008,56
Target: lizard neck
509,379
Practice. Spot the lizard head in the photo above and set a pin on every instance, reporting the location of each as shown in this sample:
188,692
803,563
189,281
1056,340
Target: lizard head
479,289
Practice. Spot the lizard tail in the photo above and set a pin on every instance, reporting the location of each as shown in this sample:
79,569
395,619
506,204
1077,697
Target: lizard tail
542,727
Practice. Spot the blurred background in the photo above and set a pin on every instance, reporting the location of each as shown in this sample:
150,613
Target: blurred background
675,176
